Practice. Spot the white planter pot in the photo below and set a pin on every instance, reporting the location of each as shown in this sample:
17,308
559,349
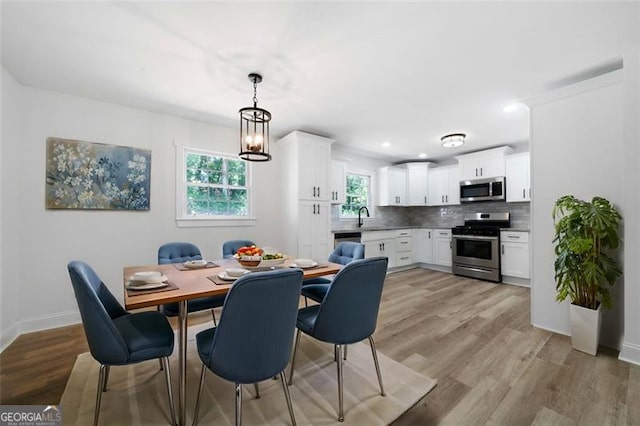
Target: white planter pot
585,328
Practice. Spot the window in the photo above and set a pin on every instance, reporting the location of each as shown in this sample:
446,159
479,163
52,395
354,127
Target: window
358,194
213,186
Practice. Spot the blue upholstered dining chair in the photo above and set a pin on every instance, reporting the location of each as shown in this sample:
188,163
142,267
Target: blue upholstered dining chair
345,252
347,314
229,248
115,336
253,340
180,253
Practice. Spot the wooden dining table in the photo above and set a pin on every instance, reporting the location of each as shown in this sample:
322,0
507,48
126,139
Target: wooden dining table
193,284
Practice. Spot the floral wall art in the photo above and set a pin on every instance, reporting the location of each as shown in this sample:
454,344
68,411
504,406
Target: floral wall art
87,175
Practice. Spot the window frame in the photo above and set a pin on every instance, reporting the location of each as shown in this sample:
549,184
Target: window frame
183,219
370,200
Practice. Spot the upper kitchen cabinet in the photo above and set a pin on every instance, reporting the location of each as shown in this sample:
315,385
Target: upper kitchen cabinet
418,184
392,186
518,177
444,186
483,164
338,182
311,156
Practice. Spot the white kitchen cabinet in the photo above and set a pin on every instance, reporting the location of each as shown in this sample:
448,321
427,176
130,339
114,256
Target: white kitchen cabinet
518,177
380,243
423,245
418,184
483,164
444,186
386,248
442,247
312,155
338,182
392,186
514,254
404,247
306,207
314,230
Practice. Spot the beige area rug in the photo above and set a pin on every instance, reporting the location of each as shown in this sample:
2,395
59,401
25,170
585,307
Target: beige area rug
137,394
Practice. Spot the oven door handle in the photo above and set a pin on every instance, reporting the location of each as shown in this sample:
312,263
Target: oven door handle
475,237
475,269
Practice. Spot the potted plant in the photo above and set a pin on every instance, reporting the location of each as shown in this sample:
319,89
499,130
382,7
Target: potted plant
586,235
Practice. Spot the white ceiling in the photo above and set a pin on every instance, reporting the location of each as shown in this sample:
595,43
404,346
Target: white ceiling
363,73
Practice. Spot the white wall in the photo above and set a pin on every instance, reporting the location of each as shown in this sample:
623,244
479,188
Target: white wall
42,241
577,147
631,343
10,120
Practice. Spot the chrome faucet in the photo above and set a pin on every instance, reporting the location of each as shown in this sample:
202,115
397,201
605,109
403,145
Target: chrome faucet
360,221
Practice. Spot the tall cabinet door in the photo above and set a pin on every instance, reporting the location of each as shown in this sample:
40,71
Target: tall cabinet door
417,184
518,182
314,230
314,163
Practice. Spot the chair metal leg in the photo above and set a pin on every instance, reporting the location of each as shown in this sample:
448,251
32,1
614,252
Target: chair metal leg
160,361
106,377
306,302
293,358
255,385
335,353
200,387
213,314
167,375
288,398
345,352
101,384
375,361
238,404
340,386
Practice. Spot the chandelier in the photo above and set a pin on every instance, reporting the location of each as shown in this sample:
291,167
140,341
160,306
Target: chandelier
254,128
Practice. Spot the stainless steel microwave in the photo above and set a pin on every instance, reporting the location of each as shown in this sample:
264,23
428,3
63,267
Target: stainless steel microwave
491,189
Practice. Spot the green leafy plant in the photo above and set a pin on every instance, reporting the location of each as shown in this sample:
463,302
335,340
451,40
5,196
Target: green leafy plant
586,233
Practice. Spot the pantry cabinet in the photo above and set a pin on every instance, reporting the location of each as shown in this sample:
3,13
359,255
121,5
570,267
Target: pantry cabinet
483,164
306,194
518,177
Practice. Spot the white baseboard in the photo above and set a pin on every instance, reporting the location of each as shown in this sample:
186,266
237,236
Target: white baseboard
45,322
8,336
630,353
550,329
522,282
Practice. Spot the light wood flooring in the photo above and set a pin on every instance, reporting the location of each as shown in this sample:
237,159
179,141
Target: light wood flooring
474,337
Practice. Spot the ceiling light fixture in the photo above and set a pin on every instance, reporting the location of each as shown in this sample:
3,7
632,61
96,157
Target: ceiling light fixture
254,128
386,144
422,155
453,140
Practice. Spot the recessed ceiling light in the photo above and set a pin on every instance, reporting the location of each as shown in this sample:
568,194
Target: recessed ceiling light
422,155
386,144
512,107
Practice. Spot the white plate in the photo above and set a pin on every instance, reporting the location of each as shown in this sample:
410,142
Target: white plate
147,286
313,265
195,264
223,276
155,280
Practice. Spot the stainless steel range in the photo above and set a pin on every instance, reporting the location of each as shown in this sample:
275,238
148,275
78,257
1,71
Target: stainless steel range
476,246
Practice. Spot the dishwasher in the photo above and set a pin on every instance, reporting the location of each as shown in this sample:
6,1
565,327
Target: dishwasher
339,237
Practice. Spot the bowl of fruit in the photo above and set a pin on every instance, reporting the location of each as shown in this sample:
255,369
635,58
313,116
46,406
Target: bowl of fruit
252,256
